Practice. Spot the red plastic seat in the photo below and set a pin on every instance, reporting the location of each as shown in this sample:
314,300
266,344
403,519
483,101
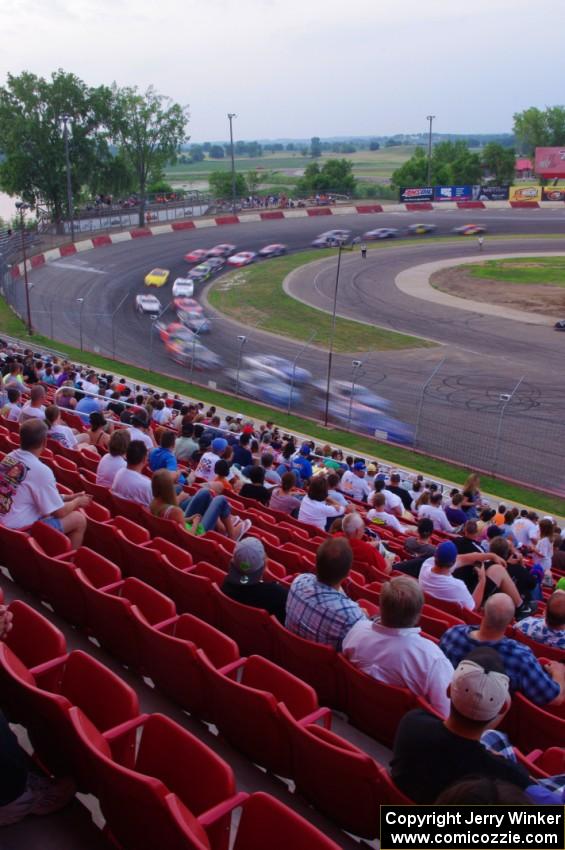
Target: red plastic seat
126,508
267,823
102,494
52,541
318,755
192,590
372,706
312,662
81,681
144,562
89,460
33,638
110,619
540,650
18,557
534,727
66,473
170,765
170,660
246,711
544,763
249,627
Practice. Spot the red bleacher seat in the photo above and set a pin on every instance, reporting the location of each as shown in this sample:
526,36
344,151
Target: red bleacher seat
312,662
532,726
246,711
249,627
126,508
82,681
540,650
170,660
34,639
191,589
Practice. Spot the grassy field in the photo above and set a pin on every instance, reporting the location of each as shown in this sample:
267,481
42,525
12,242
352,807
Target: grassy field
255,297
10,324
374,166
549,271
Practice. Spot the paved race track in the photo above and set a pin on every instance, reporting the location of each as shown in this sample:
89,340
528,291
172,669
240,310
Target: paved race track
478,358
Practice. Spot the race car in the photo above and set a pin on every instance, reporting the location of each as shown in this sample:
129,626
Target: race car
200,272
196,256
157,277
420,229
263,387
191,304
147,304
182,349
242,259
272,250
224,249
469,230
215,263
560,325
278,367
194,320
331,239
380,233
173,332
183,287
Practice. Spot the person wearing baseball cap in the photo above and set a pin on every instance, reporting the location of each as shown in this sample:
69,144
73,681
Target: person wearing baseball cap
430,754
354,482
207,464
244,581
436,575
302,465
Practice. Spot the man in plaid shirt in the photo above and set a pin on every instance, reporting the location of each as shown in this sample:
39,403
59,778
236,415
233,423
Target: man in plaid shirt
541,686
550,630
317,608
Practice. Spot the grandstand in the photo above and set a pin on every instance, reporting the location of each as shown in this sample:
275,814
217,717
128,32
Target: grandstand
187,719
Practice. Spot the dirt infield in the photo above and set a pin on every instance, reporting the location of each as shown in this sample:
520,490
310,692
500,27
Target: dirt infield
534,298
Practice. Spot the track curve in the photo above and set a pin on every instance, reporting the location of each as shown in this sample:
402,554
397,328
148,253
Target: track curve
483,358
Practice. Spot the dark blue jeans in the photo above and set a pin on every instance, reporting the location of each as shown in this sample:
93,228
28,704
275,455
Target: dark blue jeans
210,507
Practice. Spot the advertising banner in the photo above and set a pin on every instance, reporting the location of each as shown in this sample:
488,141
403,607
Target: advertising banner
453,193
550,162
491,193
525,193
416,196
553,193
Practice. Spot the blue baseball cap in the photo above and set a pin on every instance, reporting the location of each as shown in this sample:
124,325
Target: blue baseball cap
446,554
359,466
219,445
305,449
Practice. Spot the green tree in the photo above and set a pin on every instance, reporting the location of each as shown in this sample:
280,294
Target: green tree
374,145
336,175
149,130
452,164
221,184
413,172
291,146
539,128
499,161
31,137
216,152
196,153
315,147
253,180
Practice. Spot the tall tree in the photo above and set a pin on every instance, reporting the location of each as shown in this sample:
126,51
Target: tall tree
452,164
336,175
500,162
315,147
149,130
221,185
31,137
539,128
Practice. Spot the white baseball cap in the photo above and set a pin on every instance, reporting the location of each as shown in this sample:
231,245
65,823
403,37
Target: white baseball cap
476,693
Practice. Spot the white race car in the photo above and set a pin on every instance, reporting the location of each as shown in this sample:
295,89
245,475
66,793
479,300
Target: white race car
242,259
273,250
183,287
224,249
147,304
381,233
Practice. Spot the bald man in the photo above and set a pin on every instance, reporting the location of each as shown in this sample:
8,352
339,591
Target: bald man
543,686
551,630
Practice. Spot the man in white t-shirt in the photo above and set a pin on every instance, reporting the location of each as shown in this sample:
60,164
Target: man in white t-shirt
130,483
392,649
436,513
140,430
209,459
35,408
525,530
28,490
392,502
114,459
89,385
354,483
379,513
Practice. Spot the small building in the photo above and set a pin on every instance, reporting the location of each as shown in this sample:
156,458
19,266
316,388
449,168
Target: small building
524,169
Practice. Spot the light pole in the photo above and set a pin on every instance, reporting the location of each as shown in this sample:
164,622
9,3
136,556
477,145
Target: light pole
242,340
112,323
231,116
22,207
332,334
356,365
70,209
293,376
81,302
430,118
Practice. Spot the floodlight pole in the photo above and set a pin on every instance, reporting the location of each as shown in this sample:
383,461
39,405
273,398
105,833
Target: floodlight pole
430,118
332,334
231,116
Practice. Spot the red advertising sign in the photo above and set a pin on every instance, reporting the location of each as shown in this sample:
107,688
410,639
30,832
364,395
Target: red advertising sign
550,162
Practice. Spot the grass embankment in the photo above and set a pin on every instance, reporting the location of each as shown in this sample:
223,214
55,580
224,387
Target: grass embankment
255,297
11,325
548,271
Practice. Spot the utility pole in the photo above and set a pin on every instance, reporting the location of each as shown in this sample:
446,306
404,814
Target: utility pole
231,116
21,207
70,208
430,118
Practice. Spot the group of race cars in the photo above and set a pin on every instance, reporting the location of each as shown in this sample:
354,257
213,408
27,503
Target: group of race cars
334,238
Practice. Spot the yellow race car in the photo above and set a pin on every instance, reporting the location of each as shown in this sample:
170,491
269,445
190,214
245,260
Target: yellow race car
157,277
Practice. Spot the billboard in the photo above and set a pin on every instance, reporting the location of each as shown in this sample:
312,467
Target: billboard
553,193
525,193
423,194
453,193
491,193
550,162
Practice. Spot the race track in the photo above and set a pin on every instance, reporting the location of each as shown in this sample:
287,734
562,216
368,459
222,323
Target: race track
482,358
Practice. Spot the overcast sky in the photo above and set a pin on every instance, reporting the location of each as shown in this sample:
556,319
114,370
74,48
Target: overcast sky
298,68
